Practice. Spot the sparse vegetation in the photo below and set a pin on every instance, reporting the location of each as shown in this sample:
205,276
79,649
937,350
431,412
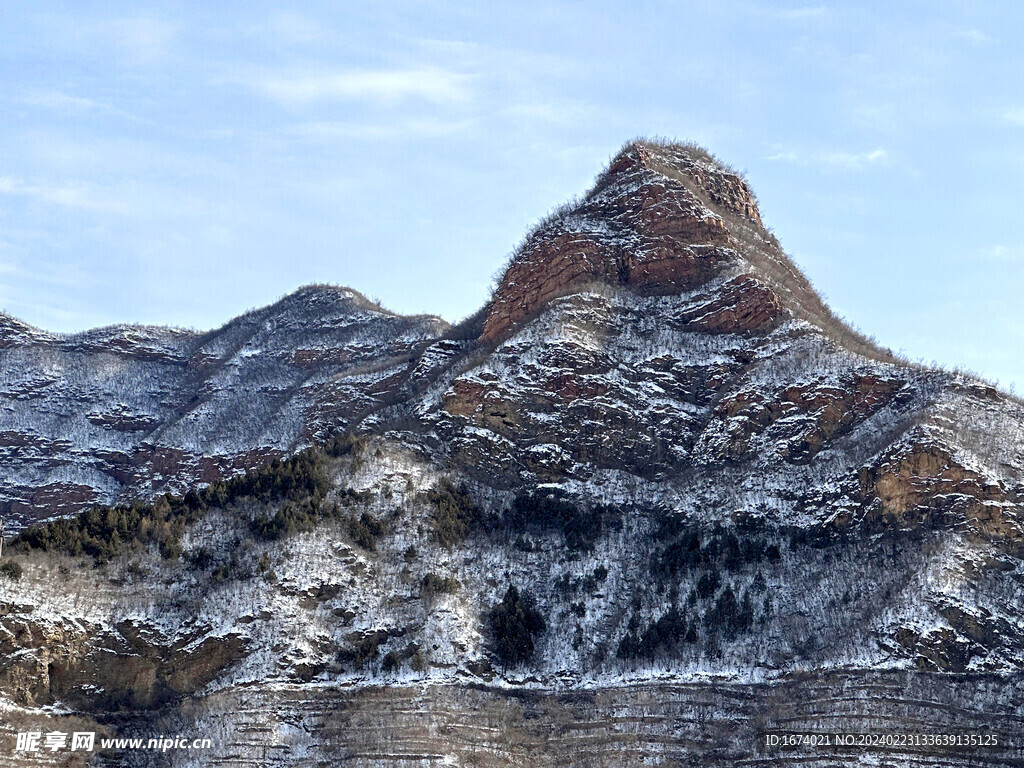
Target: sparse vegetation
364,649
729,616
289,520
302,481
594,580
105,532
11,570
366,530
553,510
707,585
393,660
455,513
711,561
433,585
418,662
726,618
469,328
662,637
687,548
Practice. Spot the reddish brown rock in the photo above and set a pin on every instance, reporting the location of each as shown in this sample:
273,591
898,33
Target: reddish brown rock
650,223
743,304
819,412
923,484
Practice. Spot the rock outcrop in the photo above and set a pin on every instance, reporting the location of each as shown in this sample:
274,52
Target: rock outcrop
654,221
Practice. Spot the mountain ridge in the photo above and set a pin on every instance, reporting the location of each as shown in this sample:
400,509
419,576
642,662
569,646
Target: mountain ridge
663,219
667,508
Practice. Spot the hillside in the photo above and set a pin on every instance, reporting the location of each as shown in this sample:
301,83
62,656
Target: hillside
654,500
129,412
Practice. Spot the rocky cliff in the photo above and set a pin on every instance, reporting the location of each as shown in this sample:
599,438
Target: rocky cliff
654,502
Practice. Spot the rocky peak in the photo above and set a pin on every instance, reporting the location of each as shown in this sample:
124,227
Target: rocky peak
662,218
691,165
14,332
319,297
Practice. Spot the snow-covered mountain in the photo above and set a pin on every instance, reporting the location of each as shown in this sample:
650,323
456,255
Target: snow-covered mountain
126,412
651,502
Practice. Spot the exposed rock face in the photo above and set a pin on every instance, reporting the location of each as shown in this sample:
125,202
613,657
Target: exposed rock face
923,484
651,223
733,514
127,666
708,724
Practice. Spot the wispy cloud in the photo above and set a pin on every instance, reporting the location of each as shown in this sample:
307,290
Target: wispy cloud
67,196
1014,116
82,32
1003,253
833,159
975,36
566,112
143,39
386,86
289,29
797,14
59,101
333,130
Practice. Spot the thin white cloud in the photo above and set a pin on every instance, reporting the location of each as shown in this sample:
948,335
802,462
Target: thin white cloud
143,39
289,29
1001,253
66,196
1014,116
387,86
565,112
833,159
333,130
510,63
132,40
855,159
975,36
797,14
48,316
62,102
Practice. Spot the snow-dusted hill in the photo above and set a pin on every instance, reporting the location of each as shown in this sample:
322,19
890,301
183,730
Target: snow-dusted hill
654,500
126,412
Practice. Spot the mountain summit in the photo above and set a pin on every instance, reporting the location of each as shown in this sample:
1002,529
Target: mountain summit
662,218
658,220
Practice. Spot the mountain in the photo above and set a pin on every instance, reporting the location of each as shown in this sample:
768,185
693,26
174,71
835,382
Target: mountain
131,412
653,502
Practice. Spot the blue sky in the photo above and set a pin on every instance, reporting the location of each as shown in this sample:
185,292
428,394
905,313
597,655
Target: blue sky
173,163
